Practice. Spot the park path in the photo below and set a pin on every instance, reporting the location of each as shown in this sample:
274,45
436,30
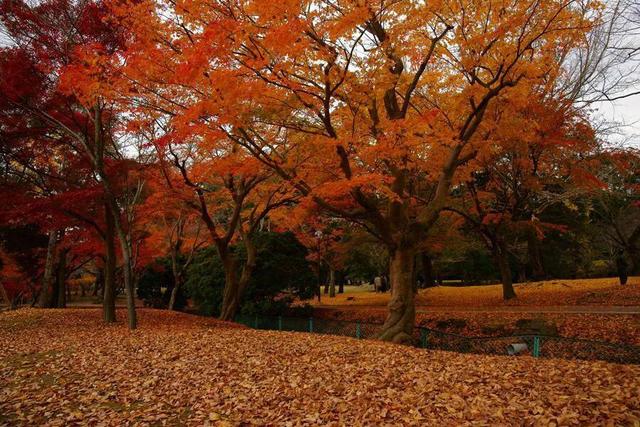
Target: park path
570,309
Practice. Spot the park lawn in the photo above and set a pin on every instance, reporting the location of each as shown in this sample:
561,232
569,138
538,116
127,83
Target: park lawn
62,367
604,291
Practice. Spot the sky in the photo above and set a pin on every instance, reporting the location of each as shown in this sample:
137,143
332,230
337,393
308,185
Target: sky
626,112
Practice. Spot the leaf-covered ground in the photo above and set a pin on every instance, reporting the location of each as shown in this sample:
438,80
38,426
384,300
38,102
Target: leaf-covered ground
616,328
62,367
582,292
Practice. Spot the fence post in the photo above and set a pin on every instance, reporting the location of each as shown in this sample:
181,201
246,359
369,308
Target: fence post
310,324
423,337
536,346
279,323
358,330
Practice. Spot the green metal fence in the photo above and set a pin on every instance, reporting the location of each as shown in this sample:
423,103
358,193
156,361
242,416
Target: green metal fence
534,345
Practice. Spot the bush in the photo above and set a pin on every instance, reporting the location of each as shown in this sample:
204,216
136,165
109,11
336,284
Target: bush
205,281
282,273
156,283
472,265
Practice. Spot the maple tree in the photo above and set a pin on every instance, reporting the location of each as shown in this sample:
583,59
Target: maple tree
367,109
216,153
617,207
172,227
230,192
543,159
323,238
45,183
55,73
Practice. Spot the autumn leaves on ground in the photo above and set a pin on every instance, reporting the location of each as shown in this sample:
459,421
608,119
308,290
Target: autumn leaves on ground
594,309
65,367
550,293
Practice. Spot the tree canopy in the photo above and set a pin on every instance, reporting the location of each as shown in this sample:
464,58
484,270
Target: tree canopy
390,137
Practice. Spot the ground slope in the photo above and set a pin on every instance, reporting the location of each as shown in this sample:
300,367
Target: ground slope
62,367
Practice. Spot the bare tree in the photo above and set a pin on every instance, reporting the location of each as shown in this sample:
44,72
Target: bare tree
607,66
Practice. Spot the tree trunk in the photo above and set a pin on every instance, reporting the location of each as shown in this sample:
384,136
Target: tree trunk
319,281
177,284
61,276
633,247
5,295
230,285
634,255
622,268
535,256
111,205
427,270
332,283
125,248
99,283
398,327
501,257
414,278
234,287
128,286
176,268
109,278
45,297
53,296
177,279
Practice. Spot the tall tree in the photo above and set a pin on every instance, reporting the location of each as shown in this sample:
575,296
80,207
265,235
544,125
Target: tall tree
54,72
616,208
367,109
541,158
173,227
232,194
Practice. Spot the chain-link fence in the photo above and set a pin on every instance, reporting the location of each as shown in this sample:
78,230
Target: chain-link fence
533,345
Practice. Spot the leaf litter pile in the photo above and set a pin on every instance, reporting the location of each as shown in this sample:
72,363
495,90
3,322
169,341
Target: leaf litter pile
63,367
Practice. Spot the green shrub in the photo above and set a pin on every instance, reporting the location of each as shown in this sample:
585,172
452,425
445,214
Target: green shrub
281,274
205,281
156,283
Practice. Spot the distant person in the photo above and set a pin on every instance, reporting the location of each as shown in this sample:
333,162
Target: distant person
621,267
377,284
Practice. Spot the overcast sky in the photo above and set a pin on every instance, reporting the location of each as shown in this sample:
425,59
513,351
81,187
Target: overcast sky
627,113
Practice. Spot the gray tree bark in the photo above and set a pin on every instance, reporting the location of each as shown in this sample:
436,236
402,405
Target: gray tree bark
44,299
